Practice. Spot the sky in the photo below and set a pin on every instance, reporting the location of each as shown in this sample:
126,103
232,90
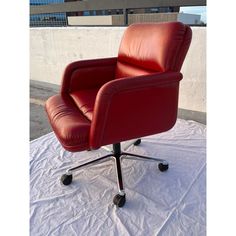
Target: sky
195,10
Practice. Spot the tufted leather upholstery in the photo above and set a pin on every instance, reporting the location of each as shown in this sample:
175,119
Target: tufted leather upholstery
105,101
85,99
70,125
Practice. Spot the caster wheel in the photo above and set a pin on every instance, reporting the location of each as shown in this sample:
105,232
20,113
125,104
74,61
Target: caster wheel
66,179
137,142
119,200
163,167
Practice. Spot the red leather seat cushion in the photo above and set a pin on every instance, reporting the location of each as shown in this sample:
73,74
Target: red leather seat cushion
69,124
85,100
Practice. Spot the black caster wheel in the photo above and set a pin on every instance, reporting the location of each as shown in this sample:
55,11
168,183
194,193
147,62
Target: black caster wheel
163,167
137,142
66,179
119,200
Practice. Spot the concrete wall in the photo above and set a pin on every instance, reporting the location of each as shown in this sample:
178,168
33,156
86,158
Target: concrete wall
51,49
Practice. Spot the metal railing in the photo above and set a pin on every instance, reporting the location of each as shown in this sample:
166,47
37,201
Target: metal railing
57,12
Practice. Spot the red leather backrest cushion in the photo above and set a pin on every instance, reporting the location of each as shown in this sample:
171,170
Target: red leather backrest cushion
153,47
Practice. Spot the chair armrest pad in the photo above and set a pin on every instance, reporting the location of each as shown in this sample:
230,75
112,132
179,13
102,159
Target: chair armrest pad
135,107
140,82
88,74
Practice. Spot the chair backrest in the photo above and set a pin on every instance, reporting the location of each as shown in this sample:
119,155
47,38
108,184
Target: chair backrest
153,47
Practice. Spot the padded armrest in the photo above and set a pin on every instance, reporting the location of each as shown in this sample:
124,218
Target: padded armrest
88,74
140,82
116,107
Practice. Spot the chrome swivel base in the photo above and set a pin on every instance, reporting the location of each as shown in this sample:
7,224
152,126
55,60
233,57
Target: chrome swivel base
117,155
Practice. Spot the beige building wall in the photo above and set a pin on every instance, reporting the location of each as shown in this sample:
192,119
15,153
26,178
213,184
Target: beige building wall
89,20
133,18
152,17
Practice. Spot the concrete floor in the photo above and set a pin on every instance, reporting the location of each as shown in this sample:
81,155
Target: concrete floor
41,91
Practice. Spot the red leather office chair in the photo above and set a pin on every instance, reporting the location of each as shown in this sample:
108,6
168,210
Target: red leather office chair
106,101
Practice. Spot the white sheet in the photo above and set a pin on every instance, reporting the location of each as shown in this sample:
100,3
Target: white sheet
168,203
